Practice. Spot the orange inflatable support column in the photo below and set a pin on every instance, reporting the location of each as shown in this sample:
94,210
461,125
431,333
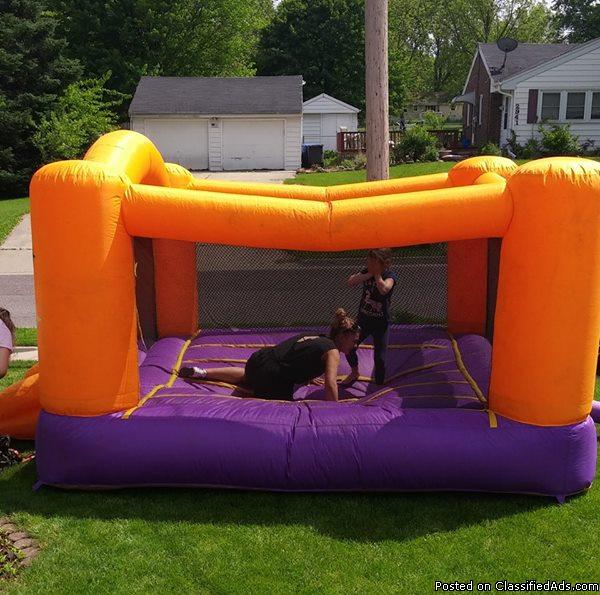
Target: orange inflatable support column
468,259
547,323
84,288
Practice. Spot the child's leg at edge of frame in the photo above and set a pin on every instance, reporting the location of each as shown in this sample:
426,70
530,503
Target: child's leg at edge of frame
380,343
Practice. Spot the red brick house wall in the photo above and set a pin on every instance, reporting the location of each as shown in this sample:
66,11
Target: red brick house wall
491,115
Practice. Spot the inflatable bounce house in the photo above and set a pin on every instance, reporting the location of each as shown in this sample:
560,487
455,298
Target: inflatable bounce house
491,393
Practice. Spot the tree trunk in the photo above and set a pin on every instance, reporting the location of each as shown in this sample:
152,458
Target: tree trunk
377,95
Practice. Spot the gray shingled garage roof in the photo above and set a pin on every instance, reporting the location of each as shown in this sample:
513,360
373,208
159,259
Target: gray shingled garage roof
216,95
526,56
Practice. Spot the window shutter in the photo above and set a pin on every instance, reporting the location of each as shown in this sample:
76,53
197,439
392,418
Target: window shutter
532,106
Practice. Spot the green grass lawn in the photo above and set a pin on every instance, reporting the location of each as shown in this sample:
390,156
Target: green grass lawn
26,336
215,541
16,371
349,177
11,212
406,170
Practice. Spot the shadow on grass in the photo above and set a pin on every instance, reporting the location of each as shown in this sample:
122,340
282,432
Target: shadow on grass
368,517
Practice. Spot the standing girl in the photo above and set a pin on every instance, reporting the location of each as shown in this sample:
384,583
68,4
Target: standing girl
374,311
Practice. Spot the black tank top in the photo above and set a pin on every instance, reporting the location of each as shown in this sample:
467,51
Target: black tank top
300,357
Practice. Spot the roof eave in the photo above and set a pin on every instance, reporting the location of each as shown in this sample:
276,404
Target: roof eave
511,82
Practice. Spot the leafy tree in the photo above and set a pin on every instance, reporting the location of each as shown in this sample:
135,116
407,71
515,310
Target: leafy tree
131,38
577,21
82,114
447,31
33,71
324,41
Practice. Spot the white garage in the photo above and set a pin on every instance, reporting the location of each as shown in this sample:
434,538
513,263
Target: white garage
253,144
324,116
222,123
180,141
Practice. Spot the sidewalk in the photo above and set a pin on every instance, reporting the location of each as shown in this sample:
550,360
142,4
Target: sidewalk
24,354
16,254
16,282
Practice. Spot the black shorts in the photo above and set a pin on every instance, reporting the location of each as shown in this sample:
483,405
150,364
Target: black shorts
263,376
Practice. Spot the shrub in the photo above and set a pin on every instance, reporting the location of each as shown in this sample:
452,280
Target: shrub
529,150
433,120
490,149
558,140
417,144
331,158
82,114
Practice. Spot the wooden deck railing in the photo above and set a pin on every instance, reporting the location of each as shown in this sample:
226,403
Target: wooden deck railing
354,142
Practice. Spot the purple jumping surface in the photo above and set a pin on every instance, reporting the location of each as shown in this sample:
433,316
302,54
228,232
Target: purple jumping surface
428,428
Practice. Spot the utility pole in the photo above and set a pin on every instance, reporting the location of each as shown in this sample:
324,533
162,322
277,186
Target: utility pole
377,95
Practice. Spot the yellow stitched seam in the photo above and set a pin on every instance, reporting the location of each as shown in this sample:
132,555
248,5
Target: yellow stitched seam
463,370
227,360
168,384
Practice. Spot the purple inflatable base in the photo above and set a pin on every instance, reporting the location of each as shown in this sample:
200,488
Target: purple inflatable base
428,429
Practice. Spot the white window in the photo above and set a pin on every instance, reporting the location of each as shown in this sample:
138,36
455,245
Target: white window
575,106
550,106
479,113
595,115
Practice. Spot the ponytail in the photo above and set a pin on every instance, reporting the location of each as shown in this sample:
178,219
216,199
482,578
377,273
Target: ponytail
342,323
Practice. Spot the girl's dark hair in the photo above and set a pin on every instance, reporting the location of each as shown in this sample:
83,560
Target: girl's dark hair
342,323
383,255
5,318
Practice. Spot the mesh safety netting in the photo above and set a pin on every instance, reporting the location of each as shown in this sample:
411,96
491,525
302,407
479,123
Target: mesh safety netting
255,287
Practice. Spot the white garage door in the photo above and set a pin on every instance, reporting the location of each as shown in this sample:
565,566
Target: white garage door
181,141
253,144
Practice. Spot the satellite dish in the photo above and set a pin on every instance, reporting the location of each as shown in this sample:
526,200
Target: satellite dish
506,44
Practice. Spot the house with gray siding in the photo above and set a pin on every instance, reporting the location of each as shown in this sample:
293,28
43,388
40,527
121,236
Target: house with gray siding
537,83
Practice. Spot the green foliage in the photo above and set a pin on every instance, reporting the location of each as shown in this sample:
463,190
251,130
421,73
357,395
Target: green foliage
34,70
555,139
558,140
321,39
433,120
577,21
162,37
331,158
81,115
529,150
10,557
324,40
417,144
490,149
26,337
445,33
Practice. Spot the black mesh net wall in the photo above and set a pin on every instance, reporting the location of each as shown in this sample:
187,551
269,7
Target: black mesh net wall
250,287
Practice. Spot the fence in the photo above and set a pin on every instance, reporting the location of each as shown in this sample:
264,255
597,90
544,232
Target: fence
354,142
